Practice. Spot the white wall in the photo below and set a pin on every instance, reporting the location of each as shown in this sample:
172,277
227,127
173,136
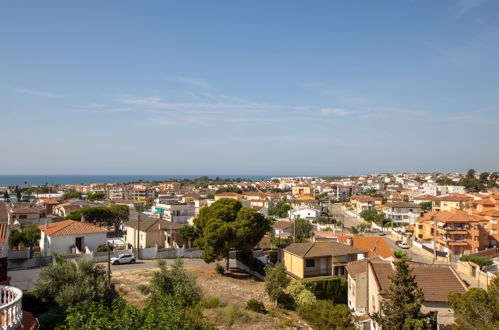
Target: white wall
62,244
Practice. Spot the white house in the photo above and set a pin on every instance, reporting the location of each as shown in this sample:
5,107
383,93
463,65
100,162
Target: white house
70,236
304,212
400,212
177,213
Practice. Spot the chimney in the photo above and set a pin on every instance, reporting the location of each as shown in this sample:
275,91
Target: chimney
350,241
46,224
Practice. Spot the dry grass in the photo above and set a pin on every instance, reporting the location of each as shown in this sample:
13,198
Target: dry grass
233,289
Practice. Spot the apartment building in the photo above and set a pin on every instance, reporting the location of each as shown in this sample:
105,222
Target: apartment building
457,232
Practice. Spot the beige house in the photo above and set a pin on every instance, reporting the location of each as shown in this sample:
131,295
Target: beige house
368,282
319,259
153,232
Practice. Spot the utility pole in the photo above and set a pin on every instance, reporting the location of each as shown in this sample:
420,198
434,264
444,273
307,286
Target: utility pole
108,264
138,236
434,240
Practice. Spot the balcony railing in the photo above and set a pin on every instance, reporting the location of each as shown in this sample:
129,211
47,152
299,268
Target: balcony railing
11,314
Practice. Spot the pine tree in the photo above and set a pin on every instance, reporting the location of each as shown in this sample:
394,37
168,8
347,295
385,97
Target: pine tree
402,309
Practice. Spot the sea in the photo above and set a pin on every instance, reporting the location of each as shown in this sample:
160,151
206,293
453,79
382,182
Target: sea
61,179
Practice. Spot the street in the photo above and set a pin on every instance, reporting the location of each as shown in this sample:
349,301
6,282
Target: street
347,220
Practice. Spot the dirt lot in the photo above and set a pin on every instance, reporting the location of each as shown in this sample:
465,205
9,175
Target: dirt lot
235,287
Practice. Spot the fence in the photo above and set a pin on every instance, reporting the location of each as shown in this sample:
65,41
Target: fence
20,254
482,278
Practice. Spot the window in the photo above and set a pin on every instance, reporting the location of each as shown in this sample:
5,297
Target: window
493,231
420,226
310,263
475,238
23,216
493,221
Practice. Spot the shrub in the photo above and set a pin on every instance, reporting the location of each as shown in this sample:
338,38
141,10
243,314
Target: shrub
325,315
480,261
334,289
273,256
219,269
255,305
300,294
231,315
211,303
103,248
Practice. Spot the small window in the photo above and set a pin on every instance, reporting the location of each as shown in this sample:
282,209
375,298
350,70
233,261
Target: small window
310,262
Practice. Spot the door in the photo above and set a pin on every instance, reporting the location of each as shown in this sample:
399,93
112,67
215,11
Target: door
79,243
323,265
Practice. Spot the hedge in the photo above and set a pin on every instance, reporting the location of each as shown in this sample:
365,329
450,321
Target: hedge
333,289
273,256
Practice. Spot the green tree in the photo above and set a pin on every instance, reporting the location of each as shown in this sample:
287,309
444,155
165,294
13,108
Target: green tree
425,207
303,230
6,195
281,210
98,315
189,234
402,309
232,189
470,174
97,196
276,281
69,283
226,225
71,194
300,294
120,214
476,308
324,315
28,236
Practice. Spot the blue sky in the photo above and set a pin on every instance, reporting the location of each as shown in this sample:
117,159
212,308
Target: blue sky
248,87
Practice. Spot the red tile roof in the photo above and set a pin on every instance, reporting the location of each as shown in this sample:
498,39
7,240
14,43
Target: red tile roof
376,246
71,227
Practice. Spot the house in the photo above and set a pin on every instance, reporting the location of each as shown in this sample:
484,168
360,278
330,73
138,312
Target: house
142,193
450,202
319,259
361,203
28,214
70,236
402,212
302,189
304,212
48,203
368,282
282,228
153,232
178,213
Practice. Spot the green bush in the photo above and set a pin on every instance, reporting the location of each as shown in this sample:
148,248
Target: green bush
273,256
300,294
231,315
334,289
256,306
325,315
211,303
103,248
219,269
480,261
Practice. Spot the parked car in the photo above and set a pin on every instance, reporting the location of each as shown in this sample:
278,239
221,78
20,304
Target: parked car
123,259
378,231
403,245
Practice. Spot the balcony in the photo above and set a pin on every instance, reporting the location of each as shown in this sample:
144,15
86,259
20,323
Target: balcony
449,242
11,313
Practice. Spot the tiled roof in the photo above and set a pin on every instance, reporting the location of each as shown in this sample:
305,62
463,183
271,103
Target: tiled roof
282,224
71,227
320,249
402,205
3,212
363,198
376,246
447,216
4,227
151,224
436,281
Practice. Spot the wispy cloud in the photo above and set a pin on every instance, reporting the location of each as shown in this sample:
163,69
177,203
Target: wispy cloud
158,103
39,93
462,7
193,81
335,112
